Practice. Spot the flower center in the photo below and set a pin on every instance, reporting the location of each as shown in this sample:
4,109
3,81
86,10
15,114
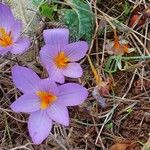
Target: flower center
5,38
46,98
61,60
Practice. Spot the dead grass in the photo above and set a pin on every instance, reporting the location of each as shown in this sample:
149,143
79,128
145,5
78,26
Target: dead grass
126,118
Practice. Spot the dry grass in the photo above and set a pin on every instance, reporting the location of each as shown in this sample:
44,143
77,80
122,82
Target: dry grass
126,118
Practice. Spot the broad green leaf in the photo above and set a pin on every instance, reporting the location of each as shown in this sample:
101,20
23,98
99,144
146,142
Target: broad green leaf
72,23
79,20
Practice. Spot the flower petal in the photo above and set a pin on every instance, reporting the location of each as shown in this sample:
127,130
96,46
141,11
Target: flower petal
26,103
39,126
21,45
73,70
25,79
77,50
55,74
6,17
58,113
16,30
48,85
71,94
56,37
5,50
47,54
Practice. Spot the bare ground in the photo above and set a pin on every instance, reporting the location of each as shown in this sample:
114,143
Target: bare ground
125,120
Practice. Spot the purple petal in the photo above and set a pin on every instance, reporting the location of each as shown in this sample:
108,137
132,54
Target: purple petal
102,101
26,103
48,85
6,17
71,94
47,55
56,37
55,74
77,50
73,70
5,50
58,113
25,79
39,126
16,30
96,94
21,45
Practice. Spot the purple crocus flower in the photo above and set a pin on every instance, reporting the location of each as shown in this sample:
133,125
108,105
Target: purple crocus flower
44,101
10,30
59,57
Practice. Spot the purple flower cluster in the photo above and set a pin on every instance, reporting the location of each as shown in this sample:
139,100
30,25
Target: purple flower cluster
44,99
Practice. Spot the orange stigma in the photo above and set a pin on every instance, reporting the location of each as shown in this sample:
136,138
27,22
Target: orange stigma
46,98
61,60
5,38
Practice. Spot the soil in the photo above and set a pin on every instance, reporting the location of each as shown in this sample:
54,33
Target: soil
128,101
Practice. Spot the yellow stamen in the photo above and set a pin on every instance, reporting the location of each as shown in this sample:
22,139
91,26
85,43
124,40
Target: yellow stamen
5,38
61,60
46,98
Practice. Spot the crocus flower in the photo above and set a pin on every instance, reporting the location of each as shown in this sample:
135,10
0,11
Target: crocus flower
10,30
59,57
44,101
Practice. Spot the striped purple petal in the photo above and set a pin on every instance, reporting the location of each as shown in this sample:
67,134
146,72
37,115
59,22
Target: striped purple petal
71,94
39,126
25,79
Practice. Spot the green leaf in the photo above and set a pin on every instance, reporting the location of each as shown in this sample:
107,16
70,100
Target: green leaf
127,8
46,10
129,110
111,65
79,20
109,125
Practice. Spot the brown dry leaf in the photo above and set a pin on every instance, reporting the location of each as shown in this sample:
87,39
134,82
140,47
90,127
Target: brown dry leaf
98,97
105,87
118,47
138,16
119,146
102,89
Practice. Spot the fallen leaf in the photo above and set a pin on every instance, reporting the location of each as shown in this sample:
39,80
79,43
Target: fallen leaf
105,87
119,46
119,146
102,89
96,94
138,17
